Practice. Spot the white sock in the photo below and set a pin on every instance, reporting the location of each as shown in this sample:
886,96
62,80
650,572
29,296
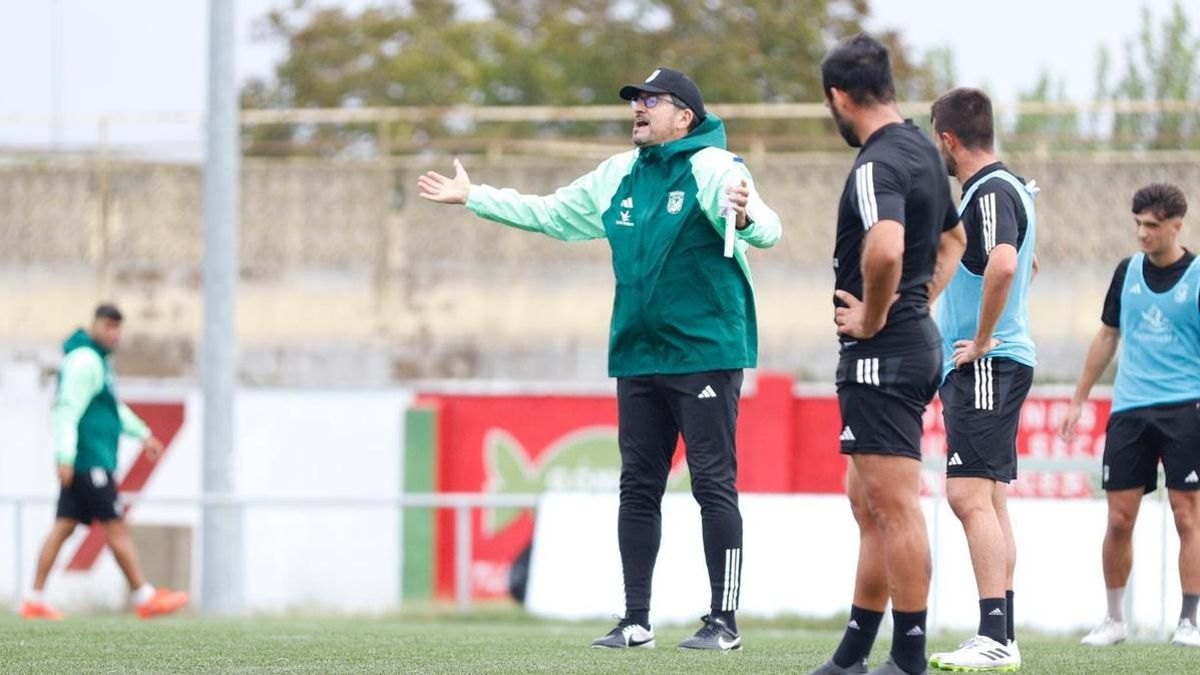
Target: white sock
1116,604
36,596
142,595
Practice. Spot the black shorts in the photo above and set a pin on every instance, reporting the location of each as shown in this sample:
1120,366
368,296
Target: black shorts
981,407
92,495
882,398
1138,438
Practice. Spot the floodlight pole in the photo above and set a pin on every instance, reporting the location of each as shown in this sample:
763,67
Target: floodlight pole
56,75
221,573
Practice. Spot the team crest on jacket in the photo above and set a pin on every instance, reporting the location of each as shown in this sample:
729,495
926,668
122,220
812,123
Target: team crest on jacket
674,202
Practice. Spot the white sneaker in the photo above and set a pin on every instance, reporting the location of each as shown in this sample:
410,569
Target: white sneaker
937,657
1108,633
1186,635
980,653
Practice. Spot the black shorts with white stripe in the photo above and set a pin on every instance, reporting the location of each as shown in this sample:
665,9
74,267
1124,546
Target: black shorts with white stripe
981,407
882,397
1137,439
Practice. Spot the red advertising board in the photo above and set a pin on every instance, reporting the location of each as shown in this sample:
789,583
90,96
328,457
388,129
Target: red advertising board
498,444
525,444
787,442
1038,448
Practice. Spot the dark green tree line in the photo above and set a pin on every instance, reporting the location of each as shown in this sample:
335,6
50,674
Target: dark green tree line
553,52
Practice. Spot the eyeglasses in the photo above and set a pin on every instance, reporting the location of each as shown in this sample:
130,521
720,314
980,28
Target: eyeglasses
652,100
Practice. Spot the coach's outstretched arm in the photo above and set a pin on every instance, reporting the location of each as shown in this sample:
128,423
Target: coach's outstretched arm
570,214
1100,354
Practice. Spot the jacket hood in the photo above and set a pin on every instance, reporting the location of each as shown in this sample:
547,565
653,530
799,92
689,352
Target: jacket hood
80,338
710,134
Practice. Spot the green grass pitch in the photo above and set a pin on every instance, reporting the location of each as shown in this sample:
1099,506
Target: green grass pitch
486,641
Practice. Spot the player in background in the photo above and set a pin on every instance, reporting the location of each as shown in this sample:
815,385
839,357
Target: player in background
988,358
88,421
683,324
1152,314
898,242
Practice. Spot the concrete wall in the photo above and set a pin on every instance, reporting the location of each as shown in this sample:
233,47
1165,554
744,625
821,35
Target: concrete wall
350,279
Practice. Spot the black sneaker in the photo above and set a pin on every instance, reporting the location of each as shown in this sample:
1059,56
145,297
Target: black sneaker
890,668
715,634
831,668
626,634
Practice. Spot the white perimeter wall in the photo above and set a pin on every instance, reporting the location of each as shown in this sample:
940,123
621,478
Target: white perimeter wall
800,553
292,443
295,443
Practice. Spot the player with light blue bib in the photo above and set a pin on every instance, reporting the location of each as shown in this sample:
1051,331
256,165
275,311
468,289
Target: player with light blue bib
988,358
1152,314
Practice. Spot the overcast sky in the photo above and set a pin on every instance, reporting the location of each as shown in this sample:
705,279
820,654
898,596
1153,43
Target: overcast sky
149,55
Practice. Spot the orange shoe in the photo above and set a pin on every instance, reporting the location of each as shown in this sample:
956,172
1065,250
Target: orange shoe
39,610
164,601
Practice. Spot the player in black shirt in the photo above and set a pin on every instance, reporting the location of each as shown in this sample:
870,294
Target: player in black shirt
898,242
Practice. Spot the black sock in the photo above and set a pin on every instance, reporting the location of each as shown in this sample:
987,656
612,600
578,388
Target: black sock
1189,607
1012,622
992,619
856,644
728,618
908,641
640,616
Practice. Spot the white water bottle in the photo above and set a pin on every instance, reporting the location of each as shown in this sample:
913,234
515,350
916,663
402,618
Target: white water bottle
730,212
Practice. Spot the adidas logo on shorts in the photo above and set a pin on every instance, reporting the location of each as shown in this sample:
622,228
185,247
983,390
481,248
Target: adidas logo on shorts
707,393
955,460
1192,477
847,435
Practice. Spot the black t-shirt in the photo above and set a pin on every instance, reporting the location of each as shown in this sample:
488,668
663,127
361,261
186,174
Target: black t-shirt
898,176
994,216
1159,279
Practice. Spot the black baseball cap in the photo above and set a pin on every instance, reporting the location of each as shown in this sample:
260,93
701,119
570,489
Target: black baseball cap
669,81
108,311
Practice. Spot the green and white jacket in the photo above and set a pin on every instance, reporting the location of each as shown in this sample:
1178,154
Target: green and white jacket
680,305
88,418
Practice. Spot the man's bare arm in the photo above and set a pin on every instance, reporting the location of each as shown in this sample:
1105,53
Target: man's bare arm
950,251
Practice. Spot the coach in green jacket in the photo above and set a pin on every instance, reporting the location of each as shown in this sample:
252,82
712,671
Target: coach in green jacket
683,322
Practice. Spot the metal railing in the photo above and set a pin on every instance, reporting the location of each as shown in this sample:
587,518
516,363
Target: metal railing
563,113
180,140
462,503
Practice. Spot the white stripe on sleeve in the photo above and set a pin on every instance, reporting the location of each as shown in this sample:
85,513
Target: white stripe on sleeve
864,183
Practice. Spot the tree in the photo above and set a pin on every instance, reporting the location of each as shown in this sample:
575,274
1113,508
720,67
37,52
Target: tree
1160,66
547,52
1046,131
